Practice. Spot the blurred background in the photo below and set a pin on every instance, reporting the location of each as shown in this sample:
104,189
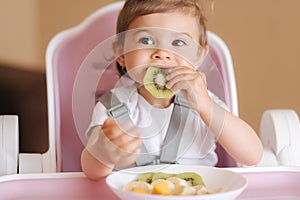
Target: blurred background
262,35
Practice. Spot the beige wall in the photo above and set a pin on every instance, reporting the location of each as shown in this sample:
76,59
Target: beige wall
264,39
19,33
263,36
26,26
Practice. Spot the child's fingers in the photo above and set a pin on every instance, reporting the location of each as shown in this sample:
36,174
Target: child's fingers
112,129
126,154
184,78
175,71
181,81
125,161
129,152
123,140
132,147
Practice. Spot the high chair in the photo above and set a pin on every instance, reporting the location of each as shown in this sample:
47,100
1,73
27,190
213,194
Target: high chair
70,93
66,53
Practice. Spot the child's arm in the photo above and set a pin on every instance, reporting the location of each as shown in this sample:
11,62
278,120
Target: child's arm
110,146
92,167
234,134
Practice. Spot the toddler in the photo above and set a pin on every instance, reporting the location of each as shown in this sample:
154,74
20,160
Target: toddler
166,41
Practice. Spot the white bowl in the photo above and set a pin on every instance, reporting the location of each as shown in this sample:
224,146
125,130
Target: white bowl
232,183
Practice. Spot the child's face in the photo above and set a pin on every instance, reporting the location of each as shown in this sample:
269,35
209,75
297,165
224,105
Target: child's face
161,39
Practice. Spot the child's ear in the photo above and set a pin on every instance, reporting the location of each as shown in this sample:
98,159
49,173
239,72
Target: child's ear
206,48
118,52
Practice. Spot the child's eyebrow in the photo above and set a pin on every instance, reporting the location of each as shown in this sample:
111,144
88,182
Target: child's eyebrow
135,32
187,34
149,31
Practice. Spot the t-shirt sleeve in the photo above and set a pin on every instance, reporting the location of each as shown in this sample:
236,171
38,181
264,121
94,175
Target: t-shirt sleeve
99,116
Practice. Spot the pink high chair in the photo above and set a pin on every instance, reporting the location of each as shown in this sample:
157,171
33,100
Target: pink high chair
66,53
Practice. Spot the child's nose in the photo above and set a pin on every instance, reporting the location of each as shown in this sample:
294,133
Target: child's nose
160,54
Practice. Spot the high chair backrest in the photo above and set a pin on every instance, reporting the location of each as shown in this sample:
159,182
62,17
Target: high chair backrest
66,53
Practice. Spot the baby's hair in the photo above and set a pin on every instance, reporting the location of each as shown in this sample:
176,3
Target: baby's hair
135,8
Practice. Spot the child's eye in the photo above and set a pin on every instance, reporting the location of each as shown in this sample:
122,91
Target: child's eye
178,43
146,41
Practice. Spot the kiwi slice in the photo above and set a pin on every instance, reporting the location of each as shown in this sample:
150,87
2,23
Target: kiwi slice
161,175
147,177
155,82
192,178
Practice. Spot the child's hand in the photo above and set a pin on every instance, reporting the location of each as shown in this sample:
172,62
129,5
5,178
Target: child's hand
192,84
121,142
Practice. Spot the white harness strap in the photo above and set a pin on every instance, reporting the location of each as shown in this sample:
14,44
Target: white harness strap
169,152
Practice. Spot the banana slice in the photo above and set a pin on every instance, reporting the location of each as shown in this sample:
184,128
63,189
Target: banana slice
181,187
138,186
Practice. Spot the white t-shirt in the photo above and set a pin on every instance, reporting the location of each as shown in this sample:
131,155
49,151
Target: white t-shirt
198,143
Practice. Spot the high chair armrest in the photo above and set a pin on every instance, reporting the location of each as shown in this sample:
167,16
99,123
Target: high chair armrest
9,144
280,135
30,163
